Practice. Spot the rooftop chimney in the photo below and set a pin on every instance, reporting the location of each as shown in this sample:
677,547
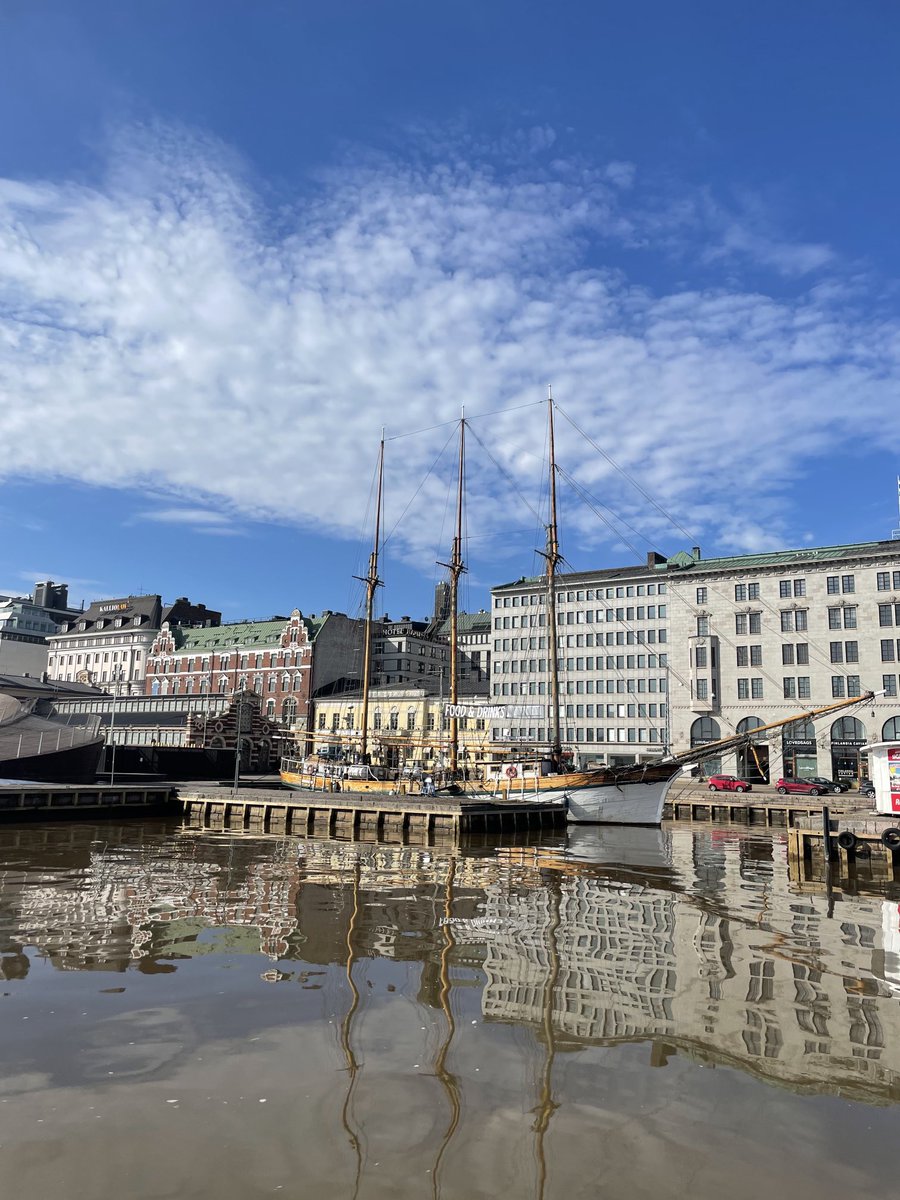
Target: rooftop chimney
695,553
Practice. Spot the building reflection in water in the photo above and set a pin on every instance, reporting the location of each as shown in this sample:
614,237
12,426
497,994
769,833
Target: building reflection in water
695,942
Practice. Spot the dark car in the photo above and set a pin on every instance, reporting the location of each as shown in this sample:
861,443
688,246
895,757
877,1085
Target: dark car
830,785
867,788
807,787
729,783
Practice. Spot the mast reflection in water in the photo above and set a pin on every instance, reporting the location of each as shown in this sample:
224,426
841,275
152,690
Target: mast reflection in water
207,1014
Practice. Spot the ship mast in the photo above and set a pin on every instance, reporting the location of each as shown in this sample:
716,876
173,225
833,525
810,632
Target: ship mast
372,583
456,567
553,557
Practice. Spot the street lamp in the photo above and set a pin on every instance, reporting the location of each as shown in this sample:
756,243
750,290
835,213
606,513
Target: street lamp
118,676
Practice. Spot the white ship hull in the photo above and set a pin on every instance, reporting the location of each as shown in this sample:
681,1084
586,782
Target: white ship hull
623,803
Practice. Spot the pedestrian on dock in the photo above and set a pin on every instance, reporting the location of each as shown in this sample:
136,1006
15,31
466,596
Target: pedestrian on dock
428,789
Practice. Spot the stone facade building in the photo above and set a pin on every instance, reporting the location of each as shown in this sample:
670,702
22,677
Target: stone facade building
109,642
756,638
407,727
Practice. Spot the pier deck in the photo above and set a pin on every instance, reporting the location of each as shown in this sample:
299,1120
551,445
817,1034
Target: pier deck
336,814
45,801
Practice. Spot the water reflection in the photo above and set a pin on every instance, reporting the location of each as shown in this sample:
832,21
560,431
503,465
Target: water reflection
695,944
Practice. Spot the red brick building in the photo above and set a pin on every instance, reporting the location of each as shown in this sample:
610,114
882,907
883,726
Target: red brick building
284,660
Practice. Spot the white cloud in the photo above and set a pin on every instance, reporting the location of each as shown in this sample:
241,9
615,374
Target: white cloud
165,329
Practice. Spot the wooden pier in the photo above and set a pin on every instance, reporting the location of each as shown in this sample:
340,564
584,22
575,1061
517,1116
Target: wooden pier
743,810
337,814
47,801
867,840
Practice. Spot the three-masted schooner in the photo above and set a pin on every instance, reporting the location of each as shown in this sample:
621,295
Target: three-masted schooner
620,795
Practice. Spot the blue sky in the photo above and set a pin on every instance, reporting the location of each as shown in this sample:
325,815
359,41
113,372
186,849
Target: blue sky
236,240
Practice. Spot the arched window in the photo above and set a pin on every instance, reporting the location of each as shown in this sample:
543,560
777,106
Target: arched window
848,729
410,718
395,719
800,731
188,685
165,687
223,684
288,711
704,730
376,720
891,730
297,681
154,689
270,710
750,723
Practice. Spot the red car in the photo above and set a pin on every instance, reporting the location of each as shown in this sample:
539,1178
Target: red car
729,783
807,787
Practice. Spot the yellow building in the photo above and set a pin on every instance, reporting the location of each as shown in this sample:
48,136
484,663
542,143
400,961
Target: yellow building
407,729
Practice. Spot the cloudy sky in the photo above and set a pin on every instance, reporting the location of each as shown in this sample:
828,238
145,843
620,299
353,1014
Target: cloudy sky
237,241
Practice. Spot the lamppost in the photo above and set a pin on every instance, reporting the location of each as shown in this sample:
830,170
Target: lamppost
117,677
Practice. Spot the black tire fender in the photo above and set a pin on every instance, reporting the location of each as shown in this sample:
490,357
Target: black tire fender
891,838
846,839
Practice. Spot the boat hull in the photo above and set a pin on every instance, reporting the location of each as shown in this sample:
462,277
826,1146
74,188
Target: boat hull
589,798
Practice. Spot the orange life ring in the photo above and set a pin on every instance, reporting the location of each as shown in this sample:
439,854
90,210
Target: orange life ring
511,772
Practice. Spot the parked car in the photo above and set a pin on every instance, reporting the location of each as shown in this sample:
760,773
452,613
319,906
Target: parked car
729,783
807,787
830,785
867,788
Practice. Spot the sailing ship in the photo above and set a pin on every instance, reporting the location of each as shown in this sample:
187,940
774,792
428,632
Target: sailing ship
631,794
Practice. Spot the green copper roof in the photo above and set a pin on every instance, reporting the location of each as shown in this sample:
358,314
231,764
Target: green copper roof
684,560
242,633
479,622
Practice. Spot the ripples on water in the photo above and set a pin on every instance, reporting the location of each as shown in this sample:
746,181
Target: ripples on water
603,1013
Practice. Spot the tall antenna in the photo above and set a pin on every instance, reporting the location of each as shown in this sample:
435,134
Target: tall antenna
895,533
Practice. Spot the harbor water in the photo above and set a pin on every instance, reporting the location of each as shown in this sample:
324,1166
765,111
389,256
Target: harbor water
589,1013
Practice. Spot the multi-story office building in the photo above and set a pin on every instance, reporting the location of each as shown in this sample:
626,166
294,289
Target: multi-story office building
473,637
756,638
109,641
612,647
25,624
408,651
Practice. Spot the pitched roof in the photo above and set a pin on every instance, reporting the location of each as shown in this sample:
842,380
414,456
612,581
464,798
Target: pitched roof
477,622
774,558
242,633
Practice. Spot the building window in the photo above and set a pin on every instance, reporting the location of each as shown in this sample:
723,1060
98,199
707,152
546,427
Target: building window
851,652
848,583
703,626
743,656
743,689
699,656
833,585
834,618
889,684
702,689
837,686
756,656
803,691
740,591
853,688
887,650
784,588
701,595
756,622
837,652
787,654
790,687
799,587
756,689
883,581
